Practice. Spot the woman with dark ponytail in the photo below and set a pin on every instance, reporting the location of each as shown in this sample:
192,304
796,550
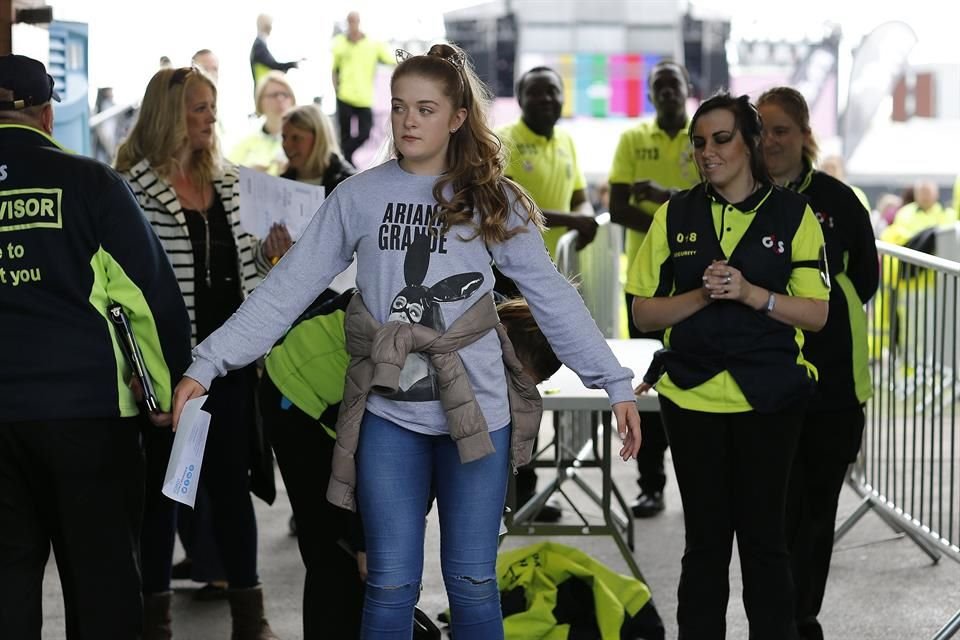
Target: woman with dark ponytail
730,269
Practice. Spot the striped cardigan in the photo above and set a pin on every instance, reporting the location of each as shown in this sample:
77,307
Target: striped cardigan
162,209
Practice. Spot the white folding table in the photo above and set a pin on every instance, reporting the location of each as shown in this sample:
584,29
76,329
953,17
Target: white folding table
581,418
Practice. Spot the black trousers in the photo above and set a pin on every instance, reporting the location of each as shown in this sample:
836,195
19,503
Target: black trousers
78,485
195,529
224,475
159,512
829,442
732,470
332,591
345,115
653,444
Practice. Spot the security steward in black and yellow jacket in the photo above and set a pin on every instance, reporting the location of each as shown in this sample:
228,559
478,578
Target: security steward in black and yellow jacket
834,420
732,279
72,241
734,380
833,425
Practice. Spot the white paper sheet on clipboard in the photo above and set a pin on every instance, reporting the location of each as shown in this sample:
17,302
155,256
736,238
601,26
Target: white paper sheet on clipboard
266,200
183,469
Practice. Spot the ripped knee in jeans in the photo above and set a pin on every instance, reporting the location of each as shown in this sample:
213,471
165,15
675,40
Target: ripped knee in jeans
394,593
471,590
477,582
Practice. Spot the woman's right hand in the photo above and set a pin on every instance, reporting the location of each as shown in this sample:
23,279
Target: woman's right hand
187,389
277,242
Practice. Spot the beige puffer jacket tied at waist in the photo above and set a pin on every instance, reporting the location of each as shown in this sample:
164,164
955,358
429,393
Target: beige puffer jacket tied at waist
378,353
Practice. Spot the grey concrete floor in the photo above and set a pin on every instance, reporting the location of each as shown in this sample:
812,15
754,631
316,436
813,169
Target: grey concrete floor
882,587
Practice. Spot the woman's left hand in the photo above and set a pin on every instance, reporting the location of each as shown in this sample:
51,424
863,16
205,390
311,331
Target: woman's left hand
277,242
724,282
628,426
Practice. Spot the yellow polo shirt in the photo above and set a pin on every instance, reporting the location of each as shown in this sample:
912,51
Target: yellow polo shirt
646,152
721,393
546,168
259,150
356,66
911,220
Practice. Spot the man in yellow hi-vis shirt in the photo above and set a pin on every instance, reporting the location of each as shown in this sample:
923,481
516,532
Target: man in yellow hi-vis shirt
653,160
262,61
543,160
355,58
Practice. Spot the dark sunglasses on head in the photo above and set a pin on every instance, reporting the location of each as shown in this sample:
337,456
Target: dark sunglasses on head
180,75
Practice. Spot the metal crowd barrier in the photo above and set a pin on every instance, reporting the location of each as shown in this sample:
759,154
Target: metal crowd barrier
908,471
596,274
596,270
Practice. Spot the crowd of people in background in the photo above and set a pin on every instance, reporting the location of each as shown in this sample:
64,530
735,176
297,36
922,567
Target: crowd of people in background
748,256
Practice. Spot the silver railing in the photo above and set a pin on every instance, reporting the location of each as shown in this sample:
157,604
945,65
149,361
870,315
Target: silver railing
595,271
109,127
909,465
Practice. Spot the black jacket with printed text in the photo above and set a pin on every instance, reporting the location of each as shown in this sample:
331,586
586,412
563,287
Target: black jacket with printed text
72,241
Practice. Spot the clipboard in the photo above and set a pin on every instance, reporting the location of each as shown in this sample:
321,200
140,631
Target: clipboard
131,349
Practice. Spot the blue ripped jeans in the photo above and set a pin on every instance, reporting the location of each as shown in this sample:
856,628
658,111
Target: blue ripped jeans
396,469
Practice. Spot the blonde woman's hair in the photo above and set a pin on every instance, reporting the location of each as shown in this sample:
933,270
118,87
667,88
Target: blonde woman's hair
309,118
277,77
474,156
795,106
160,133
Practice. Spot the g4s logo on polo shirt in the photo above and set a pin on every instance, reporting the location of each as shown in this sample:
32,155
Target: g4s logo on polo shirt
825,219
771,242
689,237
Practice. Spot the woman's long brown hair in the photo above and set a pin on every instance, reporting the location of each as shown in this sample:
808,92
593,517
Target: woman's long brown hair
474,156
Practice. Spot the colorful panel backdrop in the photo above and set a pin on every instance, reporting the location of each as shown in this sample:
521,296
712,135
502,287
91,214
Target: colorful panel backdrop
599,85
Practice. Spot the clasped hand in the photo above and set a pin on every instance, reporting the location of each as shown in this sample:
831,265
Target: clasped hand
723,282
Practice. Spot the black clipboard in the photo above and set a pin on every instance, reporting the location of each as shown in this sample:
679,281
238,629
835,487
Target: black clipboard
131,349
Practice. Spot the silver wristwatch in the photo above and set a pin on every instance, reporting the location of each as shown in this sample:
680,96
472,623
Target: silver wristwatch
771,303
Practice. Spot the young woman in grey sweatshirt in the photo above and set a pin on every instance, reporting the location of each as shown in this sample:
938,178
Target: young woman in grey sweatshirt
446,187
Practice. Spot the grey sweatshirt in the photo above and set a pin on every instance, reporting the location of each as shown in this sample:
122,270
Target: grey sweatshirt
378,214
